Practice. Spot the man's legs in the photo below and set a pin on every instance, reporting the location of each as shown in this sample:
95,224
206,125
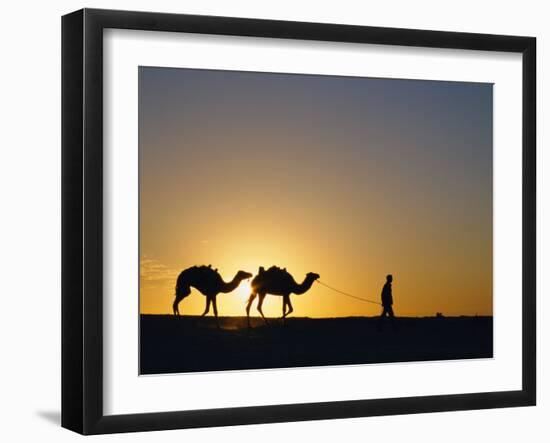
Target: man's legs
386,311
392,317
382,315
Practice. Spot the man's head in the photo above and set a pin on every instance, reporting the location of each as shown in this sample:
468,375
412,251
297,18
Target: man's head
389,278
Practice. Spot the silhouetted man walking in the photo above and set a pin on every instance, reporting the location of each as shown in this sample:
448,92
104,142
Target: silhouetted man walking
387,300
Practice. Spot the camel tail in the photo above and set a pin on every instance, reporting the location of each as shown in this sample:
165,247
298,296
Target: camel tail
182,288
182,291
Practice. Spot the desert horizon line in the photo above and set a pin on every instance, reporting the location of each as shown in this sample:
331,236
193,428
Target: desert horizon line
300,317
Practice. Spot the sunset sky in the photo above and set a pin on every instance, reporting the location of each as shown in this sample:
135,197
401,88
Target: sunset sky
351,178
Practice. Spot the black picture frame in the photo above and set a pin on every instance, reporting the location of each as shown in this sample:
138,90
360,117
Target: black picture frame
82,219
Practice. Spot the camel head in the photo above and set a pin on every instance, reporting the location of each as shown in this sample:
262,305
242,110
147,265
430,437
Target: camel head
243,275
313,276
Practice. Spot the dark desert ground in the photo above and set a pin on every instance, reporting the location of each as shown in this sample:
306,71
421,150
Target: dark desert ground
172,344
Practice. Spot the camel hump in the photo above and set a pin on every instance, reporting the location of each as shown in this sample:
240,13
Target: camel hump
202,273
278,273
208,270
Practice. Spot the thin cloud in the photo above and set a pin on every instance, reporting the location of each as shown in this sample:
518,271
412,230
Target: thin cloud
152,270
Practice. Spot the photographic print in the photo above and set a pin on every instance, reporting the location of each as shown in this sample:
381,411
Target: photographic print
295,220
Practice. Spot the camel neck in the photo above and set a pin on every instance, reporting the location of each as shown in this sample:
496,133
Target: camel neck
304,286
231,286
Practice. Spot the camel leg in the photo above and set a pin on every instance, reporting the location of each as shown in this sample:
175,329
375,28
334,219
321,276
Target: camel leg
248,304
175,306
180,295
207,307
215,306
290,308
286,302
260,302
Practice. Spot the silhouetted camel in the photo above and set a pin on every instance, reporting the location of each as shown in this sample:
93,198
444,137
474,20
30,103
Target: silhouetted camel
209,282
277,281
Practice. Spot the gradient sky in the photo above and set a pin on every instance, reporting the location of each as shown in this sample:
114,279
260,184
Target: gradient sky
352,178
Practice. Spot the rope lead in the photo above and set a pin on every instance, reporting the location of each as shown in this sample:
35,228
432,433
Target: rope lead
346,294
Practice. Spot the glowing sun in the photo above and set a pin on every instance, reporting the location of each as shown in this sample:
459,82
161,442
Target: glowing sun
244,289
